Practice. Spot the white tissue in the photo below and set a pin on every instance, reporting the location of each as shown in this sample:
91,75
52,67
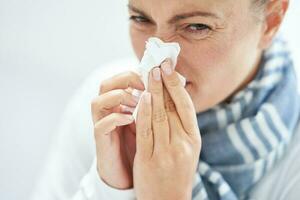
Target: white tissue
156,52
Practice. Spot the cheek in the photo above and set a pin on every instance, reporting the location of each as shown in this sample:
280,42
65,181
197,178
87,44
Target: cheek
138,41
204,54
198,57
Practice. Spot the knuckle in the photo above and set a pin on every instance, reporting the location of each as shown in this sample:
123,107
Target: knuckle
129,76
159,115
183,152
102,87
97,109
173,81
155,89
170,106
120,94
145,132
103,112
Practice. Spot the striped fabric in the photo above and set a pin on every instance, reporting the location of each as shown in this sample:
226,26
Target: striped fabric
243,139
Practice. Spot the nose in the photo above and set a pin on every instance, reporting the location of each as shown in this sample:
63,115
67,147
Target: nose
165,34
166,39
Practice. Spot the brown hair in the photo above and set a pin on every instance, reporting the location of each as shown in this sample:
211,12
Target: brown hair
259,4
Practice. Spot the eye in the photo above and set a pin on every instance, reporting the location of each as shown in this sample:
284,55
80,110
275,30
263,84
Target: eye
197,28
139,19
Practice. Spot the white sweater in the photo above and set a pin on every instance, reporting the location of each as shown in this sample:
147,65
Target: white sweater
70,170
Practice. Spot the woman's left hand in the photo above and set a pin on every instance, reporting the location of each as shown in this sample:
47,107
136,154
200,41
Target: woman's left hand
168,139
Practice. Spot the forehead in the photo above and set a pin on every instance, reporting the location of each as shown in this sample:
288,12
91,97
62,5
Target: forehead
165,9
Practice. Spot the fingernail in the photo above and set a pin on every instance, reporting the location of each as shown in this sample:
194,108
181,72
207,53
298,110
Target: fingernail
156,74
167,68
137,93
128,109
147,97
136,98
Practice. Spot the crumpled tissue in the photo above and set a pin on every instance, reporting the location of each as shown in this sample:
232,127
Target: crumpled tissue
155,53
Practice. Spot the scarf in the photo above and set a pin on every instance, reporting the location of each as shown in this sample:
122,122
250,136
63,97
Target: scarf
242,140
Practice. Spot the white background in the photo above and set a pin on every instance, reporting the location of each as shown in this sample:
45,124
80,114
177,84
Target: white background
47,48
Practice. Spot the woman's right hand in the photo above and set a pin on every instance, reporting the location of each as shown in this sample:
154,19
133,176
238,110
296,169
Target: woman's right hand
114,129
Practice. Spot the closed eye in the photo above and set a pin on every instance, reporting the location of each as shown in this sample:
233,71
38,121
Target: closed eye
193,30
139,19
197,28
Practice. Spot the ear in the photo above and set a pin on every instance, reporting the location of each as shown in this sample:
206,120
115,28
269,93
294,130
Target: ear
274,15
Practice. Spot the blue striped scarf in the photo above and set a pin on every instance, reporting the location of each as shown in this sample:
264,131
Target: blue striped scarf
242,140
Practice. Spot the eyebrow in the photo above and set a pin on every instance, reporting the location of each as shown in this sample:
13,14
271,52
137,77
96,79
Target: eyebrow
178,17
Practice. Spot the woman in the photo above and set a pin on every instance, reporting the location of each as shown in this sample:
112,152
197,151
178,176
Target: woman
215,138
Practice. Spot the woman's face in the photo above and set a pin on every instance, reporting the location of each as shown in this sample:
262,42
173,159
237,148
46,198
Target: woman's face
219,42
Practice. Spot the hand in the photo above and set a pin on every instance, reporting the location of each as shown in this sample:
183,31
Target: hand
114,129
168,140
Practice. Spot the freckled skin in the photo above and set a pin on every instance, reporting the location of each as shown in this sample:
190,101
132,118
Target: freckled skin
218,64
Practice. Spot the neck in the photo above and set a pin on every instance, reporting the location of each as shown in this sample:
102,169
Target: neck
249,78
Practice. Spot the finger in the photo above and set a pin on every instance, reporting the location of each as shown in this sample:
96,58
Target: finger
181,98
111,122
175,125
176,130
129,90
127,109
144,134
122,81
168,101
102,105
159,116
